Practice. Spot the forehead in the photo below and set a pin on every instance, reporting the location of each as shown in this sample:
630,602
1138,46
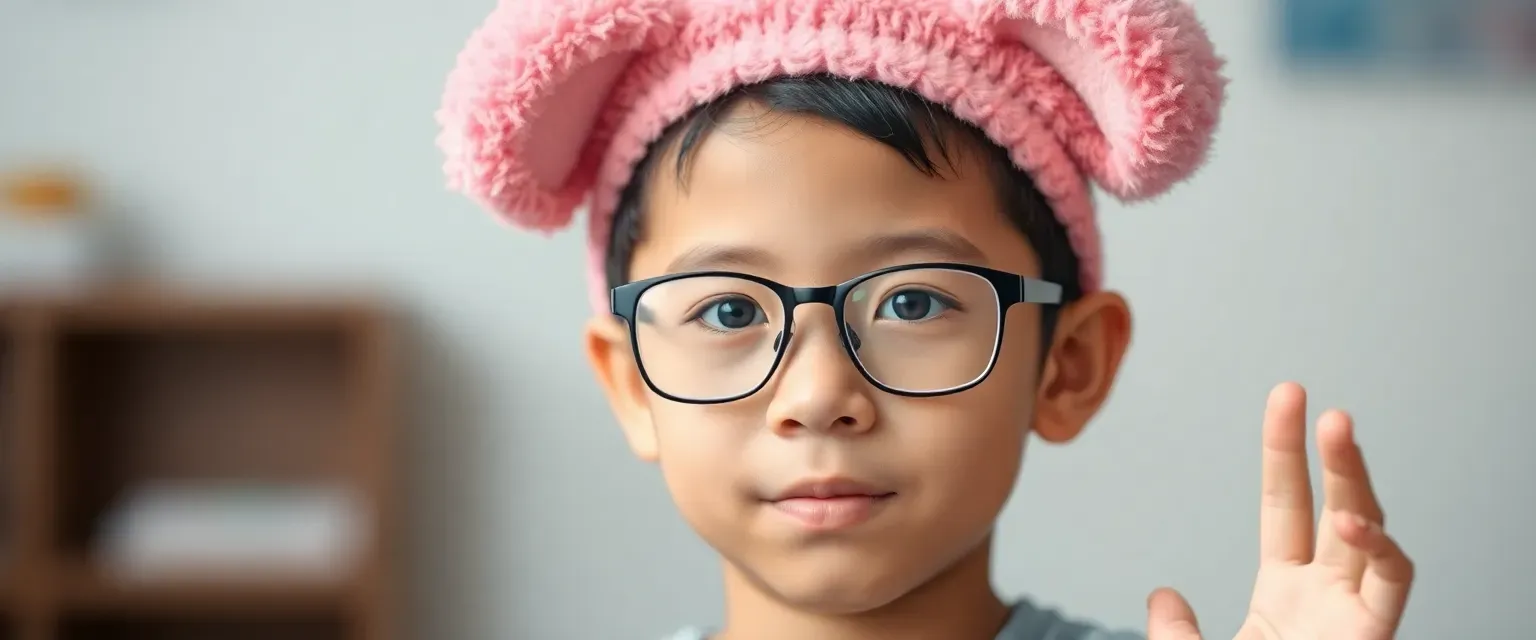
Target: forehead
808,201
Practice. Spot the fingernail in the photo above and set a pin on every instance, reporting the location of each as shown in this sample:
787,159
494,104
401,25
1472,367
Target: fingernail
1362,522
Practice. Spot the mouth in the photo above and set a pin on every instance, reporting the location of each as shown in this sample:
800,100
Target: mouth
832,504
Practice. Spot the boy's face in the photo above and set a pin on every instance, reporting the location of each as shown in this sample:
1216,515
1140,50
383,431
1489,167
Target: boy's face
806,203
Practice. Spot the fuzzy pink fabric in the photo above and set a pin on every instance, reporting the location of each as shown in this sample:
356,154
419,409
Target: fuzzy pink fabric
553,102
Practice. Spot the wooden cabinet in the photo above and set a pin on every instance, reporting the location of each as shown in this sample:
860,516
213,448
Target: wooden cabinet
101,396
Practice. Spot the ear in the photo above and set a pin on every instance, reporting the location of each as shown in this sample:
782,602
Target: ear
523,98
1147,78
1092,335
613,363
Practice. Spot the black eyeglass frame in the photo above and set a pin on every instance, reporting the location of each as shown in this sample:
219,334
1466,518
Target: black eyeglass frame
1009,288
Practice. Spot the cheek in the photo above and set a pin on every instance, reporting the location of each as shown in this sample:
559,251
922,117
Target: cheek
967,449
969,453
699,453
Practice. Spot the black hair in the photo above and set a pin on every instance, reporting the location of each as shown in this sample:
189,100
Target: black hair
906,122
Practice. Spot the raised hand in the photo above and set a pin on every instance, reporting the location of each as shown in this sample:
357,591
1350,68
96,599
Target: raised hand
1349,581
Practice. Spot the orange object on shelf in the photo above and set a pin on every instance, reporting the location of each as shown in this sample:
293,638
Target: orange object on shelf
41,194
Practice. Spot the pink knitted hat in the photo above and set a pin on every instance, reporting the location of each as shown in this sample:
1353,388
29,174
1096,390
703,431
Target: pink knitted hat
553,102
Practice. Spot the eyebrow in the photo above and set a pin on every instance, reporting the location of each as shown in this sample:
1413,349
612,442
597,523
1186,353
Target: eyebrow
944,245
709,257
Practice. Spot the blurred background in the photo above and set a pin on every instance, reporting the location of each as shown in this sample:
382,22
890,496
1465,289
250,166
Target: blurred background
294,388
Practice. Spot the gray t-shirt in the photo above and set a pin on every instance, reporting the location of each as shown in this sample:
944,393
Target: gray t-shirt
1027,622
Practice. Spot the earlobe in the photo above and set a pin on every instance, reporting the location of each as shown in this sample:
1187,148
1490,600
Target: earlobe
1092,335
613,364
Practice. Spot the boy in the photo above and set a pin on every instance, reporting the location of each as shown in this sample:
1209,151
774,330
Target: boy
845,263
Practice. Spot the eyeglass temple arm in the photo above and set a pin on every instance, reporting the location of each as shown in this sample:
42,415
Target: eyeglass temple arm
1039,291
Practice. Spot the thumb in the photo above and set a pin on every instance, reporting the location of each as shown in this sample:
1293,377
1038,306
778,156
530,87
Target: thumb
1169,617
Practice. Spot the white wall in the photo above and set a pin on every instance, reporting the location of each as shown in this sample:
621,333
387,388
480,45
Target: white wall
1371,241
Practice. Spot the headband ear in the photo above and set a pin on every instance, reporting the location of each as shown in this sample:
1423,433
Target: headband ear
1145,70
523,97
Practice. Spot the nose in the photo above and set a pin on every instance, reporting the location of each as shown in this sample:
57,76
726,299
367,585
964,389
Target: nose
817,389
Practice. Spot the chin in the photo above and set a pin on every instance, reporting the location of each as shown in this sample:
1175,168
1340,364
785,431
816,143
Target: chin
834,599
832,587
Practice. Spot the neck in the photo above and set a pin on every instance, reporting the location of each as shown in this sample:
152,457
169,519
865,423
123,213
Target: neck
957,604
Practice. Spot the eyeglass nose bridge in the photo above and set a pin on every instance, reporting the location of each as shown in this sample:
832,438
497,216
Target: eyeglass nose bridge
815,295
829,295
795,297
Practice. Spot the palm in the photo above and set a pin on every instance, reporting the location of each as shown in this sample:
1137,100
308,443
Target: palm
1346,581
1304,602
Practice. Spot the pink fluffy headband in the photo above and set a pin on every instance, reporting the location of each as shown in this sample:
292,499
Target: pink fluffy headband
553,102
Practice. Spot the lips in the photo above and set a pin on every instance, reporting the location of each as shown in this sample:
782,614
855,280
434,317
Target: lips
825,505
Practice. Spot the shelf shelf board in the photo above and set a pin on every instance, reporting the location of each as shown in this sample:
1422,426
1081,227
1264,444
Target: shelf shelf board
157,311
83,587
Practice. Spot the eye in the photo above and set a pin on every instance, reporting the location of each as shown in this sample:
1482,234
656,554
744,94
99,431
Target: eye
912,305
732,314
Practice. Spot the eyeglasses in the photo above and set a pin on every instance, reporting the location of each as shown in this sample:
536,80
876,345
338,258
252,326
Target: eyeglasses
915,330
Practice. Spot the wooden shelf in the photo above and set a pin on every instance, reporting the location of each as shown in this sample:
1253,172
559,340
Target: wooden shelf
9,456
82,588
101,397
204,626
203,403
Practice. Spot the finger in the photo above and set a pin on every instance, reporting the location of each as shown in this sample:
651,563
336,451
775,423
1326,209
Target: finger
1285,514
1346,491
1169,617
1388,573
